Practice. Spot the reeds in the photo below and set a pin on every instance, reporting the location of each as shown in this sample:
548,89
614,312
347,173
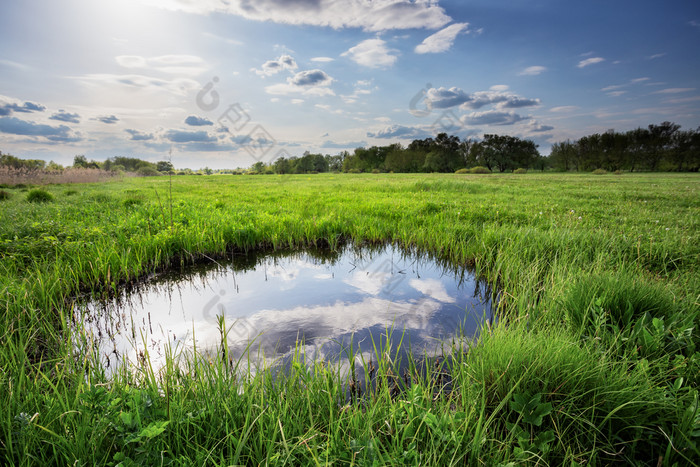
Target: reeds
11,176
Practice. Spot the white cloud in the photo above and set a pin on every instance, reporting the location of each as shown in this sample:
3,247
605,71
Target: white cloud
443,98
147,84
433,288
674,90
272,67
533,70
400,132
370,15
590,61
308,82
372,53
442,40
564,109
171,64
492,117
534,126
322,59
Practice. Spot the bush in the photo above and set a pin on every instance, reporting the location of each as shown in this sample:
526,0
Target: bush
600,172
618,172
148,172
479,170
39,196
354,171
376,171
4,195
520,171
462,171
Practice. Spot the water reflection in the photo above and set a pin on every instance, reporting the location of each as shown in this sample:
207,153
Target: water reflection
327,300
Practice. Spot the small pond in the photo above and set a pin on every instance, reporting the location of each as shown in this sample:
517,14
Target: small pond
328,301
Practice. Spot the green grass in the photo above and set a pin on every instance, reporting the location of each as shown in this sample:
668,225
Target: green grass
595,359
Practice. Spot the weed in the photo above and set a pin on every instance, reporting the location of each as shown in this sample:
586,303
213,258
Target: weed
39,196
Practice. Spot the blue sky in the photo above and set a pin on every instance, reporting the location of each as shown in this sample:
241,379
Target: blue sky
224,84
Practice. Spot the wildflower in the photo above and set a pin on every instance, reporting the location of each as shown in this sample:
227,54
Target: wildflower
579,217
668,228
540,213
572,211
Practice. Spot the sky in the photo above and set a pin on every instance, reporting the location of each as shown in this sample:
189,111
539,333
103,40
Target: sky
224,84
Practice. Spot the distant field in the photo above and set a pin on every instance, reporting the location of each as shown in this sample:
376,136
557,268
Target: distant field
595,359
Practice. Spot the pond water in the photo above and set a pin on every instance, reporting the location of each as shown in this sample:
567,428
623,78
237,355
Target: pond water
319,301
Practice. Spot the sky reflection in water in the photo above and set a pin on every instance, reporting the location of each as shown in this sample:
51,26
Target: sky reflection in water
329,300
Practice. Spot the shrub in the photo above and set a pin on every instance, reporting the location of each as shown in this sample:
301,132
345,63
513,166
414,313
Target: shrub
148,172
39,196
4,195
600,172
479,170
354,171
618,172
376,171
520,171
462,171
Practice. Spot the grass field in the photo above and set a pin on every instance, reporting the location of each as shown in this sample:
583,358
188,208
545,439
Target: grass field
595,360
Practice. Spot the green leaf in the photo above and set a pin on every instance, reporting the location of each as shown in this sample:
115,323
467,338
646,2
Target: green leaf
153,429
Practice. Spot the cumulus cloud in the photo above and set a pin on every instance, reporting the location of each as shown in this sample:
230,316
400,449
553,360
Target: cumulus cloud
308,82
139,135
372,53
16,126
499,98
183,136
193,120
171,64
399,131
536,127
492,117
533,70
590,61
108,119
370,15
442,40
443,98
272,67
63,116
311,78
8,106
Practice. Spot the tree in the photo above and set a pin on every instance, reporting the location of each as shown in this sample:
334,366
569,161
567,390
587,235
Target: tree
80,162
282,166
164,166
258,168
660,138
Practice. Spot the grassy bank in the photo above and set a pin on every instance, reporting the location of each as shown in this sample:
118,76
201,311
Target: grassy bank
595,359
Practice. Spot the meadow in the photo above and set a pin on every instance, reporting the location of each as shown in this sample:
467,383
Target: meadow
594,360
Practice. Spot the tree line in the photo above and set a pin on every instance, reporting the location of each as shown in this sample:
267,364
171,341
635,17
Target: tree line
444,153
663,147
